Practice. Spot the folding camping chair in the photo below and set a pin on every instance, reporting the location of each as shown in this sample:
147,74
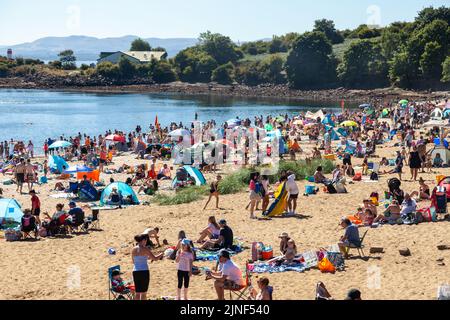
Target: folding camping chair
243,293
127,294
32,227
94,220
360,248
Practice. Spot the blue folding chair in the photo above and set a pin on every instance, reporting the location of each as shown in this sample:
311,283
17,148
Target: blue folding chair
124,295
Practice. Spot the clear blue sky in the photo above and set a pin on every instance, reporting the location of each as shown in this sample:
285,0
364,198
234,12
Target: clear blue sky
242,20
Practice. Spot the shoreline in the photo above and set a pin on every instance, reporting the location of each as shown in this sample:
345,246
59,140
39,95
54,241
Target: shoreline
277,92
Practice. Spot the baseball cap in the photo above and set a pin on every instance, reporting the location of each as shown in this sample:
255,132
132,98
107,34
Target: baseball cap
223,221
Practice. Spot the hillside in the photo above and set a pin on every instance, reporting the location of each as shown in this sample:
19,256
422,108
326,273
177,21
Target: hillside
88,48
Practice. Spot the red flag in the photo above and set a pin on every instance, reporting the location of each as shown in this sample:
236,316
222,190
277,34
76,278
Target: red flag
342,105
157,123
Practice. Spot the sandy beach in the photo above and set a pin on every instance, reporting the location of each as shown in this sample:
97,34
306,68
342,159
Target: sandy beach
49,268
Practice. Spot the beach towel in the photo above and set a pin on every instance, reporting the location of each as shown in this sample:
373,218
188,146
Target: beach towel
272,268
63,195
208,255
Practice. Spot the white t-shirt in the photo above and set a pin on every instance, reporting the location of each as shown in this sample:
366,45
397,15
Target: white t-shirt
291,185
232,271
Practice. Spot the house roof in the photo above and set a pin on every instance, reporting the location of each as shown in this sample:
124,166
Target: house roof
146,56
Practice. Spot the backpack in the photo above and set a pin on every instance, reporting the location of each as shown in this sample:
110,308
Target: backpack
374,176
259,189
331,189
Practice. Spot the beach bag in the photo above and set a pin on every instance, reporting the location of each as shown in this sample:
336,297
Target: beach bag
259,189
426,214
42,232
331,189
12,235
326,266
357,177
374,176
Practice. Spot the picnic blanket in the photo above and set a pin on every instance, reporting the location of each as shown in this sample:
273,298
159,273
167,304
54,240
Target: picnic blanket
273,268
208,255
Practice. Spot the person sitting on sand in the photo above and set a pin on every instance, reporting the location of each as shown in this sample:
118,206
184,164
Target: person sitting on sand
152,233
391,214
228,276
212,231
316,153
291,252
284,242
225,240
319,176
164,173
149,188
368,217
114,198
409,205
424,191
368,204
350,237
438,161
265,291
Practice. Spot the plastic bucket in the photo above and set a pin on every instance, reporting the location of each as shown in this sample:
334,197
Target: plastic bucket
267,254
310,189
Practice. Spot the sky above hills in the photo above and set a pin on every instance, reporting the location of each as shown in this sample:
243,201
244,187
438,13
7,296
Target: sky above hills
27,20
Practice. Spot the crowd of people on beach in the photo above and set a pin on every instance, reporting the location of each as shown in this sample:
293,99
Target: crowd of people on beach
365,130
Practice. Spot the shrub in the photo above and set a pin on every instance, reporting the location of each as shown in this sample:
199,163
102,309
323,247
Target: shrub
185,195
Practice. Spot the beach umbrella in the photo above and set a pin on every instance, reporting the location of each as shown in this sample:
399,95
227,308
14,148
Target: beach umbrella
280,119
115,137
349,124
78,168
179,133
298,122
404,101
268,127
365,105
60,144
234,122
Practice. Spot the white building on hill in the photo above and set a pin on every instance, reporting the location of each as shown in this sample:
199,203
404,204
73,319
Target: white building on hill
133,56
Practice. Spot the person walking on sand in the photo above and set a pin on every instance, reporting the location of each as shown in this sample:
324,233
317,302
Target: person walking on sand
141,273
30,175
184,259
214,192
19,172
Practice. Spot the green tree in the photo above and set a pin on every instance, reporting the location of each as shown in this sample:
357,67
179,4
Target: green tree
429,14
67,59
224,74
431,61
108,70
446,70
271,68
140,45
327,27
162,72
310,62
194,65
277,45
363,65
3,70
220,47
126,68
400,72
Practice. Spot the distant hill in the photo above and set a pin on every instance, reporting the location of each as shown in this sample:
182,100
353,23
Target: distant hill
88,48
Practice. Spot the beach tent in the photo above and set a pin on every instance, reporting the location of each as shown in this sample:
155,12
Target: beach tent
78,168
446,113
443,152
437,114
193,173
57,164
342,132
10,211
334,135
318,114
122,188
278,207
385,113
327,120
88,192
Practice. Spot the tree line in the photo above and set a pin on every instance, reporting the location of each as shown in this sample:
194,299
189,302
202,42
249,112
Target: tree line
404,54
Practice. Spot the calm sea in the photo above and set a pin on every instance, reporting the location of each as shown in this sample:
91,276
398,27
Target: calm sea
40,114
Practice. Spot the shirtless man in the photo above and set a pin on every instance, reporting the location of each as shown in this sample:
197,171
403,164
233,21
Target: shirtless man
30,175
19,172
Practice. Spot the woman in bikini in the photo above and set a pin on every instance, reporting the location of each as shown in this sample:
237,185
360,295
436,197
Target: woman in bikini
214,192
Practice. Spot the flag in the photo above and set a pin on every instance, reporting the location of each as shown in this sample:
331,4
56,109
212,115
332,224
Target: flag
342,105
157,123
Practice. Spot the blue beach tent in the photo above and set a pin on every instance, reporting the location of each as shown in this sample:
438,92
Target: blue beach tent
10,210
57,164
122,188
193,173
327,120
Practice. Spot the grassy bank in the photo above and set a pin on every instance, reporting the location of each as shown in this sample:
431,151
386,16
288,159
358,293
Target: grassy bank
238,181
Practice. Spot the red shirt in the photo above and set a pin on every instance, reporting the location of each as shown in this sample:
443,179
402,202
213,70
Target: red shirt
35,202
